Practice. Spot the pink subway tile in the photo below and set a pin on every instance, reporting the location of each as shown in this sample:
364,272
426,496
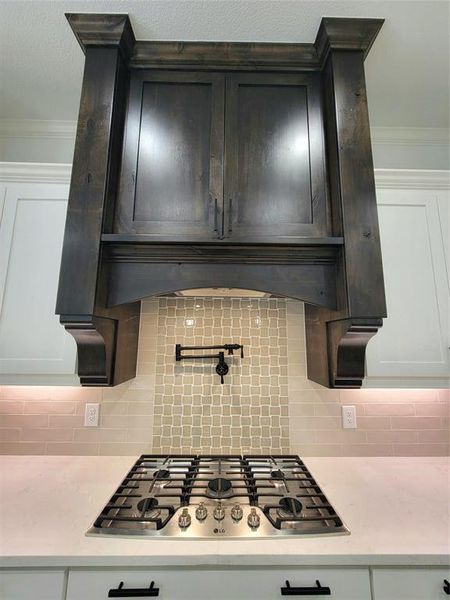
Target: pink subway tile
11,407
141,436
298,409
432,409
49,408
309,423
421,449
9,435
66,421
416,422
388,410
368,450
302,437
125,449
72,448
391,436
349,436
46,435
127,422
22,448
386,396
95,434
318,449
24,421
373,422
438,436
140,408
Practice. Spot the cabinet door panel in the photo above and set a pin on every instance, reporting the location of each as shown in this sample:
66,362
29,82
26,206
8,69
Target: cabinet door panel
410,584
413,342
172,177
32,341
31,585
274,170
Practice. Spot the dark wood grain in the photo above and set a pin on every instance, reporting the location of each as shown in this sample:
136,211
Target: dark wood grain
131,281
172,177
106,339
336,340
103,30
240,56
222,180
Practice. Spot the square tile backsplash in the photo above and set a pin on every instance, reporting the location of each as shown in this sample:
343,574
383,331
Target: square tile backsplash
266,404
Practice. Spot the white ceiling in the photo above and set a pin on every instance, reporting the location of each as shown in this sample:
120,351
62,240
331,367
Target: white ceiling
407,69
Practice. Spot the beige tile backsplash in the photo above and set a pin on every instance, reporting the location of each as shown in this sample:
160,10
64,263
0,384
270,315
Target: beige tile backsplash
266,404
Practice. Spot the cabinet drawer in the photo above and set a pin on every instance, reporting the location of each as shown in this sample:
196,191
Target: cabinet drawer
221,584
31,585
410,584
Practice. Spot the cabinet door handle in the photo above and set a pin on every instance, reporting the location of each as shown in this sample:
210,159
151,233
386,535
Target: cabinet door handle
318,590
446,587
121,592
230,216
215,215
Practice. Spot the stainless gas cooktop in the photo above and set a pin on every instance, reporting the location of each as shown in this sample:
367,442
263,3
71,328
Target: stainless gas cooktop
192,496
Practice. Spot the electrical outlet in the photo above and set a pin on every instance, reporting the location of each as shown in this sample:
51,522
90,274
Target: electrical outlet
91,415
349,417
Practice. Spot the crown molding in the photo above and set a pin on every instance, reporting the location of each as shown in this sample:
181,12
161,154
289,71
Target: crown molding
384,178
419,179
103,30
37,129
410,136
18,172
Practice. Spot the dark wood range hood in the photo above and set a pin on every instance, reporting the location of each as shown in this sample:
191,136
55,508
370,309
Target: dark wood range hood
241,165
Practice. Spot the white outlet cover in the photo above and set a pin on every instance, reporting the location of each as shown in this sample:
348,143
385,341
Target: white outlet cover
349,417
91,415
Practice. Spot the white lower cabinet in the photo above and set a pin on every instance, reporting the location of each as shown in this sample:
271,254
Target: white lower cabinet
410,584
32,585
220,584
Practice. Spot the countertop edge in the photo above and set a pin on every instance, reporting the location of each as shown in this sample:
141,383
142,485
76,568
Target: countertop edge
199,561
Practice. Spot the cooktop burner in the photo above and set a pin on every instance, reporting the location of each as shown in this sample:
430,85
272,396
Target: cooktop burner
195,496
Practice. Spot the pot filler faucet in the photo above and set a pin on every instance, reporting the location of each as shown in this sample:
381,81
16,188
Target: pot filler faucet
222,367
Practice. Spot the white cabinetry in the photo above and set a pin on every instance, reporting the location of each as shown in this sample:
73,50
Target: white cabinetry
412,347
221,584
409,584
34,347
32,585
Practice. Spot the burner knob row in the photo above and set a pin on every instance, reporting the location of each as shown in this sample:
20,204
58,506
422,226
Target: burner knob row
253,519
184,520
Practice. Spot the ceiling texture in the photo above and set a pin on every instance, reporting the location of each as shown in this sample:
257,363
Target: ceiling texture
407,69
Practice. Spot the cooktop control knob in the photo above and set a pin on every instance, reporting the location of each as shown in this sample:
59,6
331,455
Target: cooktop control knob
236,512
201,512
184,520
253,519
219,512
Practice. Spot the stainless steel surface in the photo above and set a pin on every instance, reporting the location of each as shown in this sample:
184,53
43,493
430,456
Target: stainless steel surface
218,496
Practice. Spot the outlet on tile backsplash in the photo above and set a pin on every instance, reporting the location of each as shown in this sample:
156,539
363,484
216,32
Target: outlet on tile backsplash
265,405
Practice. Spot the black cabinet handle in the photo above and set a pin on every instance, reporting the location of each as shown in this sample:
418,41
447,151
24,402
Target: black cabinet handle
120,592
230,216
215,215
446,587
305,591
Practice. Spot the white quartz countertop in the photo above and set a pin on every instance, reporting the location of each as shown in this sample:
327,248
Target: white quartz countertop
397,510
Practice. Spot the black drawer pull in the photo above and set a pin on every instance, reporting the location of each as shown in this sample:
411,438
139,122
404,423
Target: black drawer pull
446,587
305,591
120,592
